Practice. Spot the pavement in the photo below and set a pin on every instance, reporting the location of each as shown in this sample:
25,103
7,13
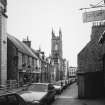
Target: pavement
70,97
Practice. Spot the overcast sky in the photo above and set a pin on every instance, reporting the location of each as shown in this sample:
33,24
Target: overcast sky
36,18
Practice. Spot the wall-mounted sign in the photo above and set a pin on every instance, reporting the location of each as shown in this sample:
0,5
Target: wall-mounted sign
91,16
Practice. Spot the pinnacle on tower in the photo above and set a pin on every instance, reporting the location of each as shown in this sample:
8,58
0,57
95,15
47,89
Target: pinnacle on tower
53,34
27,38
60,33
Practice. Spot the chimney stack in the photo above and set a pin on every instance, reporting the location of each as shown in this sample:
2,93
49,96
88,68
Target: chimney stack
27,42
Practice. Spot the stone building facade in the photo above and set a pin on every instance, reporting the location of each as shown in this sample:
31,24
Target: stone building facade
3,42
65,69
72,72
25,64
91,65
21,61
18,61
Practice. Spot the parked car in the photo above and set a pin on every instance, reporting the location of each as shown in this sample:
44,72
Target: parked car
64,84
69,80
72,80
39,94
60,83
58,88
7,98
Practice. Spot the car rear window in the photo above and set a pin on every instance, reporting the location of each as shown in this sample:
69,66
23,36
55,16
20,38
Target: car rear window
38,87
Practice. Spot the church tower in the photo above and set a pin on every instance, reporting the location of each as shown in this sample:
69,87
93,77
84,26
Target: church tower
56,53
56,45
3,42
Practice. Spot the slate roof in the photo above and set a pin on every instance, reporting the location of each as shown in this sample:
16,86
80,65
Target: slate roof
21,46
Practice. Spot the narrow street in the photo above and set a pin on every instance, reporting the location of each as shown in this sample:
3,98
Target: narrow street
70,97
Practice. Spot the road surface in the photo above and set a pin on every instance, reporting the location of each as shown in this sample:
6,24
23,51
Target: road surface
70,97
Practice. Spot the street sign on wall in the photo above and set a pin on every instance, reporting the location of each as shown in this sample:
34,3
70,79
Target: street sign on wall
91,16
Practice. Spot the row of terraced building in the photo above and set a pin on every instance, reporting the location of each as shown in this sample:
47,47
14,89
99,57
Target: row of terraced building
19,63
